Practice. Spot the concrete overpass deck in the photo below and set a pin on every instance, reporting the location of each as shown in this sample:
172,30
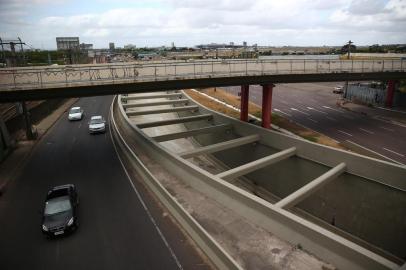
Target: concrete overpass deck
292,176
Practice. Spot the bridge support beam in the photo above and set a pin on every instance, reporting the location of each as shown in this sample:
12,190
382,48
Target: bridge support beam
390,93
267,90
220,146
257,164
244,102
307,190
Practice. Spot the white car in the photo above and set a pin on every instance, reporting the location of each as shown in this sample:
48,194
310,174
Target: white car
75,113
97,124
338,89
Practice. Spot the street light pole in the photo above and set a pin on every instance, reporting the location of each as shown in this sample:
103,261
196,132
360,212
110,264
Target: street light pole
349,48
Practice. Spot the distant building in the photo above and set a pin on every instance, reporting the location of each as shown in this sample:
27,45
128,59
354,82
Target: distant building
111,46
244,44
129,46
67,43
86,47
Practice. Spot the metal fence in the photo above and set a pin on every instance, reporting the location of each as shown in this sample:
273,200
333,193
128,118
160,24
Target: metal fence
76,75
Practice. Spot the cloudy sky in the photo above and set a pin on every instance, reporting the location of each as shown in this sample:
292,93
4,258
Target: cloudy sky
192,22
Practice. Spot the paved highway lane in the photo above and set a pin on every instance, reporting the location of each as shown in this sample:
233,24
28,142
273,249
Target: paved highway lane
314,105
115,231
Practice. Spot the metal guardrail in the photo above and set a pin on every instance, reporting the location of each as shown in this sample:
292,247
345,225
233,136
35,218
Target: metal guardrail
78,75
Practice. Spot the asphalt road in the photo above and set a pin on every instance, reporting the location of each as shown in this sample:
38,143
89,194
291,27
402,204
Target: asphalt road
313,105
115,231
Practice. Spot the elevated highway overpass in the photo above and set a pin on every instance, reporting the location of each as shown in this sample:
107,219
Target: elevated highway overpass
30,83
307,194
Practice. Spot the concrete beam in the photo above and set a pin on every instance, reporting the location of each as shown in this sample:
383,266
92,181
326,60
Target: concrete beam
171,95
192,132
175,121
307,190
220,146
158,103
257,164
166,110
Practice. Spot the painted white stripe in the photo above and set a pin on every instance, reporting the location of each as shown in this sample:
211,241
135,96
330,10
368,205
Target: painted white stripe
385,157
388,129
279,111
344,132
331,118
142,201
327,107
312,120
294,109
313,109
367,131
396,153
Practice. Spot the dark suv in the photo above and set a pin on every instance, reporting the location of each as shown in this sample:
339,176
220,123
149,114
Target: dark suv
60,211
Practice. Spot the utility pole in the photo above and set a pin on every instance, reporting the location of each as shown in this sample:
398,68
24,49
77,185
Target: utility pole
349,48
14,62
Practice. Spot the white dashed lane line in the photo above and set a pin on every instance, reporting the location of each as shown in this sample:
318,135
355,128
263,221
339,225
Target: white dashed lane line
331,118
343,132
396,153
312,120
296,110
367,131
388,129
313,109
279,111
327,107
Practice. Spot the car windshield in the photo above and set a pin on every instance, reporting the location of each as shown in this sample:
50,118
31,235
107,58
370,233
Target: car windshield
96,121
57,205
76,110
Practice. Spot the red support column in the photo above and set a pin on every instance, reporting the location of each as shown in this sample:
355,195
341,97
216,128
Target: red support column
390,93
244,102
267,90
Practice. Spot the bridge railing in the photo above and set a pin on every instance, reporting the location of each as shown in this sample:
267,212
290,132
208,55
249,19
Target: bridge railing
75,75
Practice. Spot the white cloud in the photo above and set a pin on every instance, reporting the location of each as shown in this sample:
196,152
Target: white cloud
187,22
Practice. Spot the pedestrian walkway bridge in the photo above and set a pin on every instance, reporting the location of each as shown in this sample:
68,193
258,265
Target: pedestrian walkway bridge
26,83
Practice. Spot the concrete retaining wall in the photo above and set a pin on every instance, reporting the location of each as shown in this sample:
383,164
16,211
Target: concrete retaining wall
364,206
328,246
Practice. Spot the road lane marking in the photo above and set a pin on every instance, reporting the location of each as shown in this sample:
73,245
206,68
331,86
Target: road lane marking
388,129
142,201
327,107
277,110
396,153
80,124
367,131
331,118
312,120
313,109
294,109
370,150
344,132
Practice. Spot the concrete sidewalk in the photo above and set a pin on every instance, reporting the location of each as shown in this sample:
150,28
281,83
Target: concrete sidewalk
13,164
386,114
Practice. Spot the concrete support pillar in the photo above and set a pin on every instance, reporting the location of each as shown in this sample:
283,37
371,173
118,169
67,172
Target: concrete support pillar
267,90
390,93
244,102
